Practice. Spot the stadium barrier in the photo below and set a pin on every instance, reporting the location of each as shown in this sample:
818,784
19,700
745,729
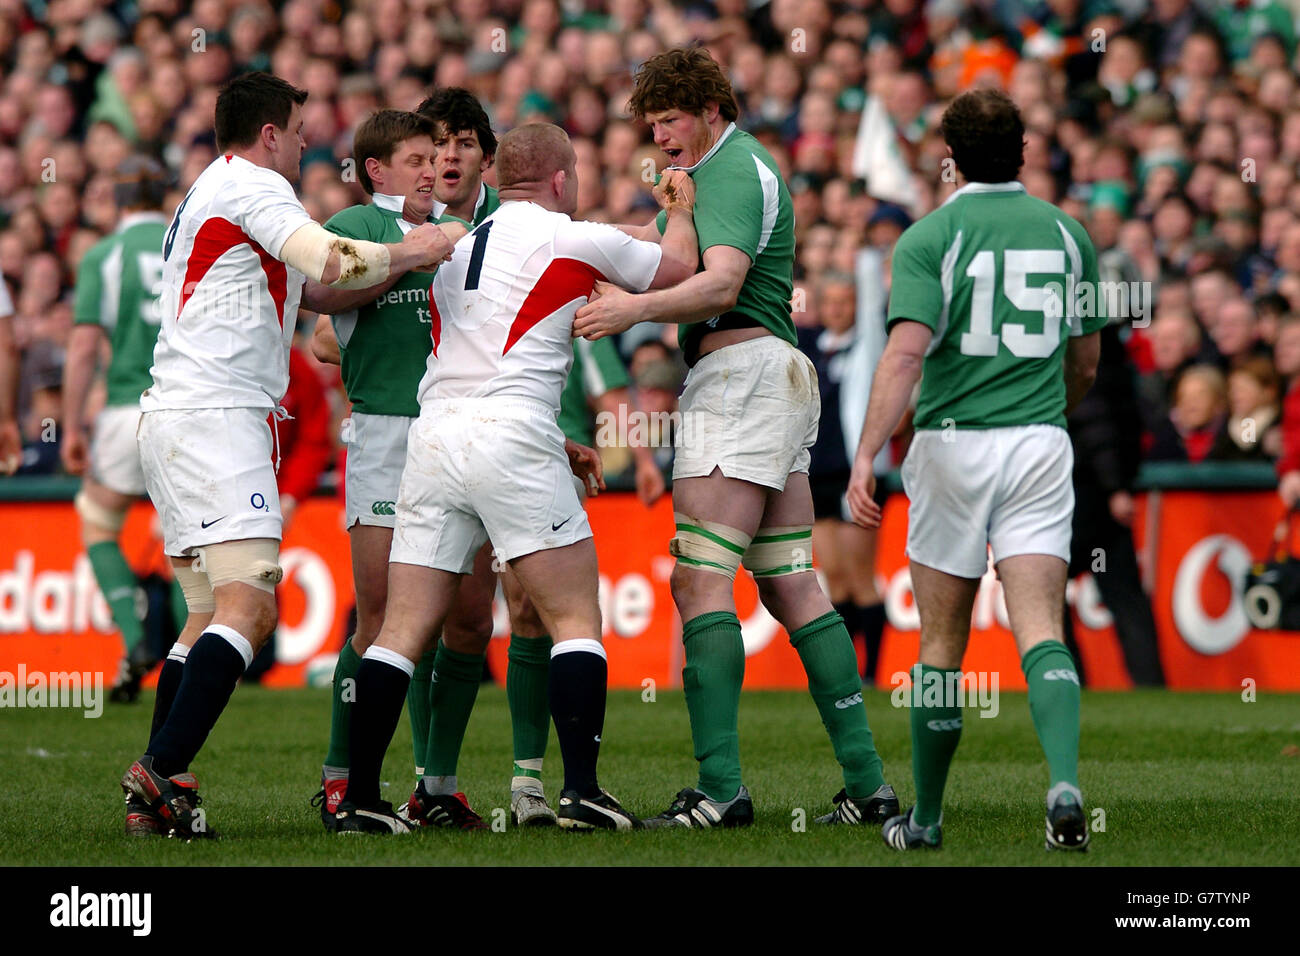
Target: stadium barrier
1198,530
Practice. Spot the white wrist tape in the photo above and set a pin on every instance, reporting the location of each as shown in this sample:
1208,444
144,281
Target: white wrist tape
361,263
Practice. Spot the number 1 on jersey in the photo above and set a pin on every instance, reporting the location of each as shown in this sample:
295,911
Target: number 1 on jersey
476,255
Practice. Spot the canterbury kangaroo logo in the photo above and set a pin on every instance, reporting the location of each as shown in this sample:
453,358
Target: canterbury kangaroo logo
847,702
1062,674
950,724
384,507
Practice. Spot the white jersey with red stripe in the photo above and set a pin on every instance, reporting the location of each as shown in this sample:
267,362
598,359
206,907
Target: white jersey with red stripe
503,305
228,304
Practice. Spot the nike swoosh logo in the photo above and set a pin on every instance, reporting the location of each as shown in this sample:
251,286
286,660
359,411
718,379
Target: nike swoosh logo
208,524
557,527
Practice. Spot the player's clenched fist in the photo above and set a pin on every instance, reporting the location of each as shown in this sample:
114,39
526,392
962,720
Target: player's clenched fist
434,242
675,189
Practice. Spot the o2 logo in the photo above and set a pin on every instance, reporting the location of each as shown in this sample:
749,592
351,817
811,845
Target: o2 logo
259,502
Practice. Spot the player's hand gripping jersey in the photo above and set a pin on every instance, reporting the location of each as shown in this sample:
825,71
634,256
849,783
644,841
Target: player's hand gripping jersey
228,305
503,306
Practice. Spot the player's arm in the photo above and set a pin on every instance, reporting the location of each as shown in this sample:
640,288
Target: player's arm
355,264
78,372
702,296
896,374
647,233
324,343
328,300
1082,353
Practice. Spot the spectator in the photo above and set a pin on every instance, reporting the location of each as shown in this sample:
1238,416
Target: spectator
1252,433
1197,420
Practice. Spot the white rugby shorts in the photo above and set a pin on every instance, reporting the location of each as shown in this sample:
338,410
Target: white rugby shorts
114,454
376,456
1009,489
484,468
210,475
750,409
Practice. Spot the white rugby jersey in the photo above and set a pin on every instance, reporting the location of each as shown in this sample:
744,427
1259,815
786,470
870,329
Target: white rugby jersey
503,305
228,304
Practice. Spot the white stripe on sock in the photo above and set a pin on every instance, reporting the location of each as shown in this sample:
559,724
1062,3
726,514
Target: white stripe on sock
234,639
178,652
578,644
389,657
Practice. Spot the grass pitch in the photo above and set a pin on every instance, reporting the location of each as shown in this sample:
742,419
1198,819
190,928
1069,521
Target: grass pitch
1183,779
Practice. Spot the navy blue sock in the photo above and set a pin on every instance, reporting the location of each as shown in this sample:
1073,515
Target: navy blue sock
873,628
381,692
169,679
209,677
577,691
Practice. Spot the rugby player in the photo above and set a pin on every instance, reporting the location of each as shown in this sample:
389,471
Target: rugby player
118,284
740,478
236,256
487,461
983,303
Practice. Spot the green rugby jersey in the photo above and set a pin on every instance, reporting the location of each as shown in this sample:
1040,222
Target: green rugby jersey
385,344
741,201
1003,279
118,284
597,369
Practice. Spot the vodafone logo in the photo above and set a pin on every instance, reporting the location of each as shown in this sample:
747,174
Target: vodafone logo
1222,554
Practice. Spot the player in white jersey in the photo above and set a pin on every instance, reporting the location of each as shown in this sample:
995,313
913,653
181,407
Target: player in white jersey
236,255
486,459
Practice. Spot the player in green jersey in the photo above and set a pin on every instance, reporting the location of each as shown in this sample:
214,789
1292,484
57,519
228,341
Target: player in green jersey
118,283
382,345
749,416
994,304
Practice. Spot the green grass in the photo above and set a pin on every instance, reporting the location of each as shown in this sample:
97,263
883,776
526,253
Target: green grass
1184,779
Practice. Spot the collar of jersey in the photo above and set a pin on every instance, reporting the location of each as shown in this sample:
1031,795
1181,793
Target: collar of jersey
974,189
731,128
440,208
135,218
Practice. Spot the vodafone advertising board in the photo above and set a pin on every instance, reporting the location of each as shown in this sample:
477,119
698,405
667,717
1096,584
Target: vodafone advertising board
53,618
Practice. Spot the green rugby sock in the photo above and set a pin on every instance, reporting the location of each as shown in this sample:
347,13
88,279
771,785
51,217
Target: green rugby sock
936,731
119,585
826,651
456,679
527,679
342,695
417,707
712,678
1054,703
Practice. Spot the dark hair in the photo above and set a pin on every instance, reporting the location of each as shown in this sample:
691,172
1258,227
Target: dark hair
249,102
380,135
986,134
139,182
453,110
682,79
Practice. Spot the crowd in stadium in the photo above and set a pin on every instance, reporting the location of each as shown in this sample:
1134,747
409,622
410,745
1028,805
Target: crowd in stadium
1169,129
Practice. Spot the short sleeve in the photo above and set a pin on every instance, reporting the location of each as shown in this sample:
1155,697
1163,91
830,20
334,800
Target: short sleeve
628,263
915,292
1095,319
88,299
270,211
